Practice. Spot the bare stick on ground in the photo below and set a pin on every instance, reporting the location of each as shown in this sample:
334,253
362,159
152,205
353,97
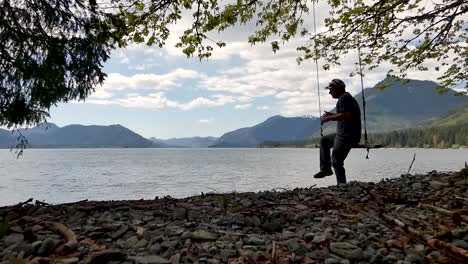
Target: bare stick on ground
411,165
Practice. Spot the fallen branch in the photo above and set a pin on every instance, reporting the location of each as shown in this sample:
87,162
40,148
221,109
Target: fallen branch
20,205
71,243
457,216
273,252
429,240
452,233
411,165
106,256
461,198
39,203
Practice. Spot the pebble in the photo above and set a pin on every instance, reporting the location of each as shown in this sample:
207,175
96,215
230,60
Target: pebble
314,224
346,250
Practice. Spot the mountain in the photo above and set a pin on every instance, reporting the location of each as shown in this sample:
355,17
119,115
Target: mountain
458,116
450,131
403,104
276,128
78,136
191,142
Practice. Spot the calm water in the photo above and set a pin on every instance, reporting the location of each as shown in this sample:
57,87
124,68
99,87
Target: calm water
67,175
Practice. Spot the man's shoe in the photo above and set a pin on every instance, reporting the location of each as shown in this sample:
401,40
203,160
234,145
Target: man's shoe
323,174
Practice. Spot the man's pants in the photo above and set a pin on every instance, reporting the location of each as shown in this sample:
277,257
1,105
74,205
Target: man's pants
341,148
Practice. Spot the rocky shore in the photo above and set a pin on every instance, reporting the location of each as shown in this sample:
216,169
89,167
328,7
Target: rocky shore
410,219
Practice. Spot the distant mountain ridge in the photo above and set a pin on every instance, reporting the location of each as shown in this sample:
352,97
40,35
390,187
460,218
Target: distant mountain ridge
48,135
403,105
276,128
398,106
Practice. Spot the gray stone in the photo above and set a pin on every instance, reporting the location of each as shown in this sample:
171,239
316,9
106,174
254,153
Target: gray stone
289,234
251,247
36,245
186,235
227,253
309,236
318,254
169,244
254,240
416,185
155,249
382,251
16,229
173,231
346,250
193,215
67,261
119,233
47,246
141,244
434,255
321,238
180,213
13,239
331,261
238,219
420,248
390,258
175,259
27,249
272,227
460,243
293,245
202,235
438,184
151,259
132,242
256,221
414,258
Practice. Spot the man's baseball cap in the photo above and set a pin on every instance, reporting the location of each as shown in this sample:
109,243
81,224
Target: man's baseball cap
336,83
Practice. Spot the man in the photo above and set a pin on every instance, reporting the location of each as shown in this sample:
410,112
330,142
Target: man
348,132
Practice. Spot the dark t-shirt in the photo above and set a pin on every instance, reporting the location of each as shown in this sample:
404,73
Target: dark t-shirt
349,129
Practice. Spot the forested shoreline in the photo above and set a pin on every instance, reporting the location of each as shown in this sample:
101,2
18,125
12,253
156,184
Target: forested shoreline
448,136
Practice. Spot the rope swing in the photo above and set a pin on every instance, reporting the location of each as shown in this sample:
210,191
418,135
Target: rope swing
317,67
366,141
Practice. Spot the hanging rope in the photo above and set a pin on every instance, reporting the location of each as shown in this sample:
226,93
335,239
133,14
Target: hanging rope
317,67
366,142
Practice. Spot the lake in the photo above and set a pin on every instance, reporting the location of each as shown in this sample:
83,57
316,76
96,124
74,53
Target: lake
68,175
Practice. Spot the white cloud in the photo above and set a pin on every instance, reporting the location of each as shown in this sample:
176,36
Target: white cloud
242,106
261,73
117,81
100,94
142,67
159,100
206,120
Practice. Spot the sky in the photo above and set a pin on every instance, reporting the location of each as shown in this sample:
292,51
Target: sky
159,92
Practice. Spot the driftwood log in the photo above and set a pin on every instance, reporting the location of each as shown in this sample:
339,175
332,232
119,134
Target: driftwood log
72,242
429,240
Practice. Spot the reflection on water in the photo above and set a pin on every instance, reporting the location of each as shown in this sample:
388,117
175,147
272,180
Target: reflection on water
67,175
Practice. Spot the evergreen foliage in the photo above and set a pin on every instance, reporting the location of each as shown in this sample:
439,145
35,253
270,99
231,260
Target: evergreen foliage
405,33
50,52
447,132
53,51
